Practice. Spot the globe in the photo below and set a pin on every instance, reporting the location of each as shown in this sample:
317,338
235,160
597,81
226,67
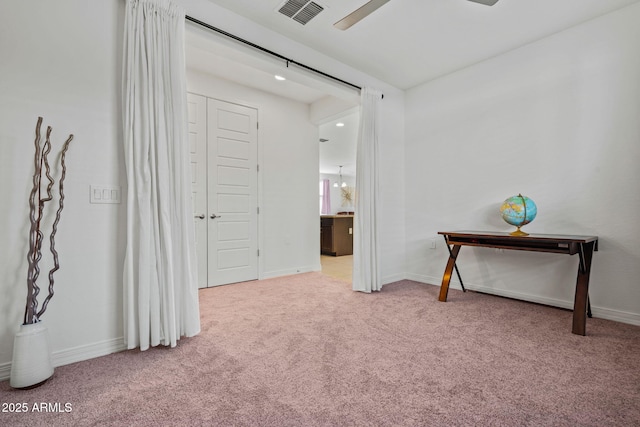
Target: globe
518,211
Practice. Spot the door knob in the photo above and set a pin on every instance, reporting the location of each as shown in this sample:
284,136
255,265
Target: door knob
201,216
214,216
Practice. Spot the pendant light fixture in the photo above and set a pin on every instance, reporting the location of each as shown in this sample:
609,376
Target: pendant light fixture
344,184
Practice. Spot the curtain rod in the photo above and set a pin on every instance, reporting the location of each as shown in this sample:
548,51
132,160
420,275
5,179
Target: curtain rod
270,52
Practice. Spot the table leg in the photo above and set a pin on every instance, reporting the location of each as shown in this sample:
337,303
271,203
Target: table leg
446,278
582,289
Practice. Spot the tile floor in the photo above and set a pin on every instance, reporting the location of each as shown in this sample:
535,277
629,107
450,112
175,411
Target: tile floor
339,267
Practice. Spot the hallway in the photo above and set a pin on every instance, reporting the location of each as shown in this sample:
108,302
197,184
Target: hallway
339,267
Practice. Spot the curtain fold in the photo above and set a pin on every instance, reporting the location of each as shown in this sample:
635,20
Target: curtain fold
326,197
160,274
366,267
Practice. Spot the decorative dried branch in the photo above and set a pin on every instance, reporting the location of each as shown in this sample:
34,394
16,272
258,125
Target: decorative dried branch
33,232
36,236
54,227
46,149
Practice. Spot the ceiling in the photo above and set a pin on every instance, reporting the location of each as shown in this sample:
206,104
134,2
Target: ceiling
340,147
408,42
211,54
404,43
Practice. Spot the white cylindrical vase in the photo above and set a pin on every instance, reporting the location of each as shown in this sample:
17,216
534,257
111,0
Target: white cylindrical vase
31,364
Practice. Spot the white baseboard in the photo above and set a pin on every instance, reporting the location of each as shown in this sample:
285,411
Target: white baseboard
430,280
5,371
616,315
86,352
599,312
76,354
393,278
290,271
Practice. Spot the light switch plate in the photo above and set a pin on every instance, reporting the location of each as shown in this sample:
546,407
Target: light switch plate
100,194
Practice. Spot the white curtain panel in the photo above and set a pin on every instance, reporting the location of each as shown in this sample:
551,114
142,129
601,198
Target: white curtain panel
366,267
160,274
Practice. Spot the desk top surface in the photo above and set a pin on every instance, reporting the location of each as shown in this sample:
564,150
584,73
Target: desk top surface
506,235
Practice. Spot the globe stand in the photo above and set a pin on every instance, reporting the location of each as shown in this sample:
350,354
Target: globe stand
518,232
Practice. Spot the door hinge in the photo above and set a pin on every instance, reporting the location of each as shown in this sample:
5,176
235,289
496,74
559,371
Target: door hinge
257,168
258,210
258,252
257,125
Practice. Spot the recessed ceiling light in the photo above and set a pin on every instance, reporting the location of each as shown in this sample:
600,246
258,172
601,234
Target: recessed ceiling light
340,124
280,78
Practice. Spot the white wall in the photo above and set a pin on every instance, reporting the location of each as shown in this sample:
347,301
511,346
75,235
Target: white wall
556,120
61,61
288,156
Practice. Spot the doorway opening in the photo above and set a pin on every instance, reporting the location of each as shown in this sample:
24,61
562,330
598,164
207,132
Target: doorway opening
337,166
337,267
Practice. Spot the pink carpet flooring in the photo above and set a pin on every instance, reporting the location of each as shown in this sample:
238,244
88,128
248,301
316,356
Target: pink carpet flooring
305,350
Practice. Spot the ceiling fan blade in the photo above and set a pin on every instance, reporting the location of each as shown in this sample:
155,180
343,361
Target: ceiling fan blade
359,14
485,2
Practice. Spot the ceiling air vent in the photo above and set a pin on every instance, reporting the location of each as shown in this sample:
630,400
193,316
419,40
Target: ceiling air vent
301,11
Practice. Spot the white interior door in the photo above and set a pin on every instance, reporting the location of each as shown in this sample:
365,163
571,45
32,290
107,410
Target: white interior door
232,146
197,114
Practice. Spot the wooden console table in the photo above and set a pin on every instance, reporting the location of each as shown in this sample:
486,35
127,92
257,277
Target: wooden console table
584,246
